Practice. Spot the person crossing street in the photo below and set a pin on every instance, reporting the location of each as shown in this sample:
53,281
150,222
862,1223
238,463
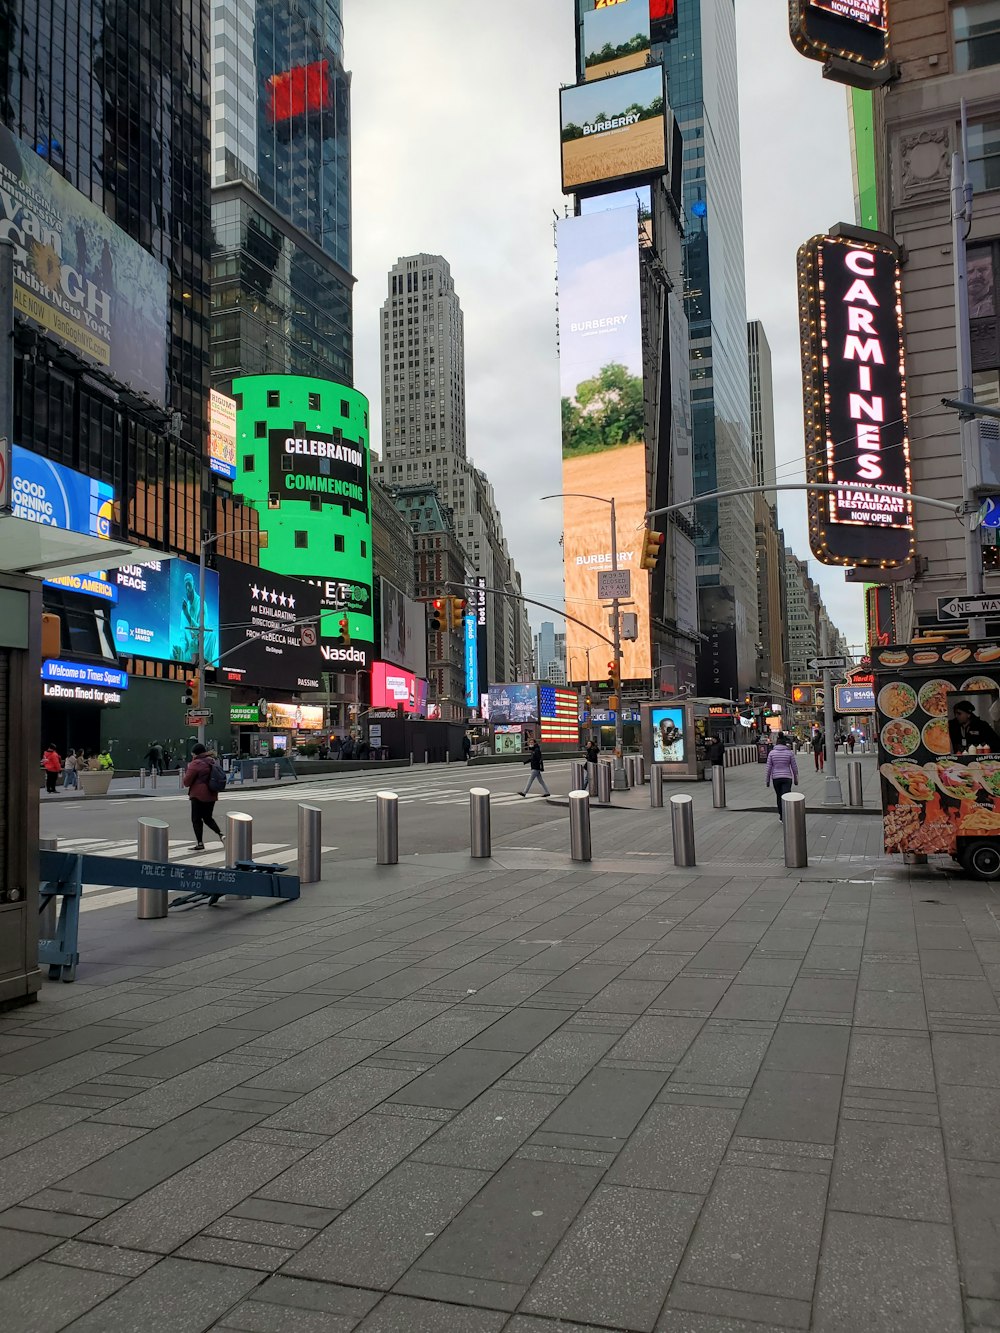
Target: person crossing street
537,765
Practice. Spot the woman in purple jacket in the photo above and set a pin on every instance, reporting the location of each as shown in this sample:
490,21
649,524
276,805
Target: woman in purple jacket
782,770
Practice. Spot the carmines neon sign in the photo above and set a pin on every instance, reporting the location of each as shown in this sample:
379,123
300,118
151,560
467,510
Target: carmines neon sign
856,416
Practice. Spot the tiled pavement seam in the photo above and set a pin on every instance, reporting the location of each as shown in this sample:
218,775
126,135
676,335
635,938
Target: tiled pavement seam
603,1066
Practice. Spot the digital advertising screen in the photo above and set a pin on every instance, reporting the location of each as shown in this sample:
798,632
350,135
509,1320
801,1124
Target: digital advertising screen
48,493
854,382
393,686
470,628
78,277
82,682
404,629
269,610
668,735
294,717
302,461
157,613
853,30
868,12
603,430
615,38
221,434
513,703
613,129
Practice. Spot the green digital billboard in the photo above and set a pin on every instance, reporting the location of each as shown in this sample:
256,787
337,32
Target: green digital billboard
303,461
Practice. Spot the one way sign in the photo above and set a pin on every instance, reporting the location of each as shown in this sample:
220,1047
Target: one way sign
960,608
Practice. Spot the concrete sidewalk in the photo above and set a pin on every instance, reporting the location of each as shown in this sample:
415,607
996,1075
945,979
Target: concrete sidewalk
527,1095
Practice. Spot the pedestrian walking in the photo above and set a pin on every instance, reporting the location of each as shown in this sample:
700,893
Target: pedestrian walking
154,758
534,758
204,779
52,764
850,741
591,755
715,750
782,771
819,750
466,747
71,779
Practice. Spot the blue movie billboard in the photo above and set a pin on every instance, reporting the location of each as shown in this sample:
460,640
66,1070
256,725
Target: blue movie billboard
157,614
46,492
471,661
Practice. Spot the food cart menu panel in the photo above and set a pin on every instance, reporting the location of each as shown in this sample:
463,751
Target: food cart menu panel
939,770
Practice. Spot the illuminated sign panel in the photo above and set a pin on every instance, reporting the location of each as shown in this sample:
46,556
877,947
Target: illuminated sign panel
880,618
271,612
299,91
393,687
851,325
870,12
603,428
221,434
404,629
157,613
302,448
615,38
855,32
59,497
80,682
471,661
613,129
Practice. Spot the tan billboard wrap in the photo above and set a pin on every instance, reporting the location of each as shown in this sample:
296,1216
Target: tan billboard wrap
604,452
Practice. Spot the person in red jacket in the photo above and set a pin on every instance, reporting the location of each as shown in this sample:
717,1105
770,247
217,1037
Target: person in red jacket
201,795
52,764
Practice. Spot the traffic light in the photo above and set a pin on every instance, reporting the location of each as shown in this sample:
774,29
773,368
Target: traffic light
457,614
345,630
614,676
192,693
435,618
652,545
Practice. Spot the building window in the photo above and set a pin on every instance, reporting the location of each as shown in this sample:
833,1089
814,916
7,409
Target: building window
364,549
345,408
984,155
249,463
976,29
273,398
338,542
314,403
260,430
301,539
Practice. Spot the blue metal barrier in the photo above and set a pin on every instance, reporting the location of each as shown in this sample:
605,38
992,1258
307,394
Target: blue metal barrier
63,875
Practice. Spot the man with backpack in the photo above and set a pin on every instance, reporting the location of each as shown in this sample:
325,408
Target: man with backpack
204,779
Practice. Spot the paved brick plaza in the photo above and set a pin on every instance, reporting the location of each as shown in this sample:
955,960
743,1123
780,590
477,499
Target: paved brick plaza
532,1097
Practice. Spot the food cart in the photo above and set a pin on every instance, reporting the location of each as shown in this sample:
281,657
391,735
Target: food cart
937,710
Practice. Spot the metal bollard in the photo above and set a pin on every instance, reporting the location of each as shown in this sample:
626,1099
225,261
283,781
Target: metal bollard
153,845
427,757
854,796
447,756
254,771
604,784
387,828
152,778
479,823
682,828
793,814
310,844
719,786
142,779
579,826
180,777
277,772
640,770
655,787
592,779
577,776
48,916
239,842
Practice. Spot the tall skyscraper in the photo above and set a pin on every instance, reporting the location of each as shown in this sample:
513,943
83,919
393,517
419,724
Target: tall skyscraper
700,58
281,199
424,437
772,616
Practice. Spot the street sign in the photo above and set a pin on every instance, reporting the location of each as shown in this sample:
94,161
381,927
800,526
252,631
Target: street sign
612,583
196,717
828,663
960,608
307,636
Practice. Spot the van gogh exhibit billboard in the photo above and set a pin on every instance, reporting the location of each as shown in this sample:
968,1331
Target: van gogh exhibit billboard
78,277
603,430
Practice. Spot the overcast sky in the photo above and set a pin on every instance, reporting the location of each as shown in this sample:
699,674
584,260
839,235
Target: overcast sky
455,150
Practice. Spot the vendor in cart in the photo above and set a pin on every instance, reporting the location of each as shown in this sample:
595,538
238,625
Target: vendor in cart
967,731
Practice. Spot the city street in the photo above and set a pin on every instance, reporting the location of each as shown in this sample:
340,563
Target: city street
527,1095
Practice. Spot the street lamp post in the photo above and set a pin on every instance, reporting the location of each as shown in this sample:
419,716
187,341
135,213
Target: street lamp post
202,563
619,781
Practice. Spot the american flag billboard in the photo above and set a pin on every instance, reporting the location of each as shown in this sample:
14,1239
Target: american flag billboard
560,718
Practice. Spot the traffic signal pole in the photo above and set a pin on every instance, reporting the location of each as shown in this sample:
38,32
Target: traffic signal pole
619,780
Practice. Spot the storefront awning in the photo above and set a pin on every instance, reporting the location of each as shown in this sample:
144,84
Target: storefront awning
44,552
